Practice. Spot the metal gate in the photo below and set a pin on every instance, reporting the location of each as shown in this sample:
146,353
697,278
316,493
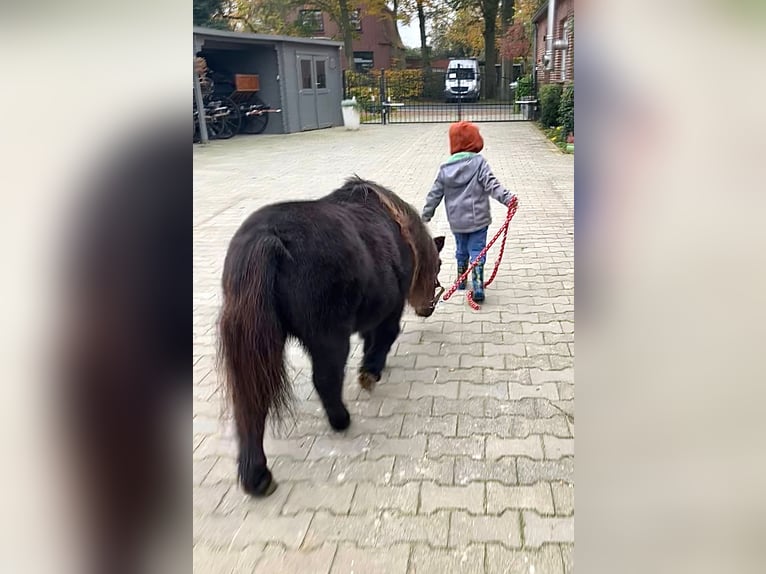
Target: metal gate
418,96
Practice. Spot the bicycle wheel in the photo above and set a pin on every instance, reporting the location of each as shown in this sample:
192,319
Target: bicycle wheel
231,120
256,123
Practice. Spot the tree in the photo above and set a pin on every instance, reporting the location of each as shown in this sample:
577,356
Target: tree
424,11
459,33
515,43
209,13
489,11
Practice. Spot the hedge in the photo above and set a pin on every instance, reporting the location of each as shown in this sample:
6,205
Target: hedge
566,110
550,99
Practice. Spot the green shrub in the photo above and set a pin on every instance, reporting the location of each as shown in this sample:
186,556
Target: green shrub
566,110
550,98
524,88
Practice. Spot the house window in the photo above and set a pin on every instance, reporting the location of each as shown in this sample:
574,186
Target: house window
355,19
363,61
312,19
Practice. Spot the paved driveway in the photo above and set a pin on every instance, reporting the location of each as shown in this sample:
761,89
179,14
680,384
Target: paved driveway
462,459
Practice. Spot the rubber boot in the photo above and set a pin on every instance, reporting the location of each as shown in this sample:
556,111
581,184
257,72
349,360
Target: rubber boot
461,268
478,283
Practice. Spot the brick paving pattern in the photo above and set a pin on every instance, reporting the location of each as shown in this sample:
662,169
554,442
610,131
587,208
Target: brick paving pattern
462,458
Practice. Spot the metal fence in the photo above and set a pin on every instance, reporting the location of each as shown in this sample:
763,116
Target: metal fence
419,96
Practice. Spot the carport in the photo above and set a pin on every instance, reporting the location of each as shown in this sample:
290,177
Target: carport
302,76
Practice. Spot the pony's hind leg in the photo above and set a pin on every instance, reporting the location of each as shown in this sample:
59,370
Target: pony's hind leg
254,475
377,344
328,359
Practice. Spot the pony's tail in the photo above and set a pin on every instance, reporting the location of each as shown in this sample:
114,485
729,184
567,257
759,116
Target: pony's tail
251,337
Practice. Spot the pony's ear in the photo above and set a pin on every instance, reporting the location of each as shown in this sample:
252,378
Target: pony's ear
439,243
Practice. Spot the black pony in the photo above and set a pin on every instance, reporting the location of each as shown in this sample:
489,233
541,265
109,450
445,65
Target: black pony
317,271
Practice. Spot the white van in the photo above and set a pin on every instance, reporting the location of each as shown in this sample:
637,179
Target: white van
462,81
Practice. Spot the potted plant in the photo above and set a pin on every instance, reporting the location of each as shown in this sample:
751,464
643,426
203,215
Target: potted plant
351,116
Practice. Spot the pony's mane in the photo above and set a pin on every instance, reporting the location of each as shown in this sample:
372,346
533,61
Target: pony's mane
413,231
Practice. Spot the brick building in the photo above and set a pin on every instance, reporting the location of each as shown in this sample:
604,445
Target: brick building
563,29
377,44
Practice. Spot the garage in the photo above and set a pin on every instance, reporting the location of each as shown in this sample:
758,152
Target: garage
298,81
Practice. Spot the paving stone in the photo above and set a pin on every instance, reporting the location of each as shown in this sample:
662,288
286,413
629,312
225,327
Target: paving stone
546,560
557,447
426,560
545,391
419,349
378,471
478,361
224,561
524,407
532,471
446,390
531,447
237,503
408,469
466,529
381,446
420,406
563,498
474,407
446,446
325,527
410,375
535,497
551,376
469,426
441,362
338,445
434,497
538,529
207,498
277,559
288,469
539,362
566,391
297,448
524,426
471,390
335,498
353,560
558,362
491,349
567,553
459,375
468,470
431,529
369,498
415,425
520,375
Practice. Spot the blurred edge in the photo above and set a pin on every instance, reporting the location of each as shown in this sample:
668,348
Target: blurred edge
95,184
671,279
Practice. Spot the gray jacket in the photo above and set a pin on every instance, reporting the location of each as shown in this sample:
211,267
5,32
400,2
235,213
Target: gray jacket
465,182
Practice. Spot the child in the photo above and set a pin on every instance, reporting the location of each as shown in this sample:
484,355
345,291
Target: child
466,183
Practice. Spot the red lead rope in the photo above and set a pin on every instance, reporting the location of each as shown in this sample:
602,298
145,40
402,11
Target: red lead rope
504,230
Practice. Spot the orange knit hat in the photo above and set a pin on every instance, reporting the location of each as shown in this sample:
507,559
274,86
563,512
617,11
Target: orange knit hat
465,136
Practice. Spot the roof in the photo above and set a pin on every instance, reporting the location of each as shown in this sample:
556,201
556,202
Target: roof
542,10
247,37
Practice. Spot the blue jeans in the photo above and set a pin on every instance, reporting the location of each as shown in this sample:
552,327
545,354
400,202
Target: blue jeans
469,245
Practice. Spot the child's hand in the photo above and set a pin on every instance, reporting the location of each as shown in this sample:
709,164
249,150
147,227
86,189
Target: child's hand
514,202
